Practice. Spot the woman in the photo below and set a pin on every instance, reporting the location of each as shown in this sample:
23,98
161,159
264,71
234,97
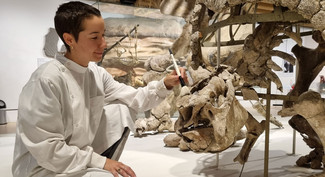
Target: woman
67,103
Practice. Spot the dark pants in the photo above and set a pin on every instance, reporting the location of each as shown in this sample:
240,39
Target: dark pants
114,152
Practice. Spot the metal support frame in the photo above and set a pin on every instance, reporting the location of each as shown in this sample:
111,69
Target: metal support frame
294,131
267,129
268,96
294,142
219,46
241,42
116,43
217,160
277,16
273,96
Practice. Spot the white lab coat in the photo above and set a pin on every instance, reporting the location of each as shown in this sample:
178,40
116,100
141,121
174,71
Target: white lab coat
59,114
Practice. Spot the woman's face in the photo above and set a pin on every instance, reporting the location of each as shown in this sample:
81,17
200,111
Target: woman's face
91,42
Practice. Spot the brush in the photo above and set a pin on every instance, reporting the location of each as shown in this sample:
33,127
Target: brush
176,69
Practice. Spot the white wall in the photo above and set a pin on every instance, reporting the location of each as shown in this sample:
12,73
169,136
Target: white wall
288,79
23,25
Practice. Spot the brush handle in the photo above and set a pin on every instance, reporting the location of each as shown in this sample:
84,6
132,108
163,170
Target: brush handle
174,62
176,69
182,81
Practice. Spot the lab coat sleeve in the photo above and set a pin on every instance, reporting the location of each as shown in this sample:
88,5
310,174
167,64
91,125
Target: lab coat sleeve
140,99
42,129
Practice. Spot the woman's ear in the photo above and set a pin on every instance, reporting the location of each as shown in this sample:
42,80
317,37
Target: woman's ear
68,38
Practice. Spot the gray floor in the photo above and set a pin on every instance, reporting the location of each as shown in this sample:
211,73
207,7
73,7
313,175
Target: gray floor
148,157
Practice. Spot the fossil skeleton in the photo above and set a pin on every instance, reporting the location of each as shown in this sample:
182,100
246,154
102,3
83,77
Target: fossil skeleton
210,116
253,63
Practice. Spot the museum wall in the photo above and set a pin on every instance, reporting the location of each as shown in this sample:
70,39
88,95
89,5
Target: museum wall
23,27
288,78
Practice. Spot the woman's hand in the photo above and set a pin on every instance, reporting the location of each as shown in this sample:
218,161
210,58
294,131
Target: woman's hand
118,168
172,79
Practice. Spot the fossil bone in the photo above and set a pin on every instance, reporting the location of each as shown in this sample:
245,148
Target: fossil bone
310,105
211,117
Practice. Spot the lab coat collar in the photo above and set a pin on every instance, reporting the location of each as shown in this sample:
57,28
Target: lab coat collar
71,65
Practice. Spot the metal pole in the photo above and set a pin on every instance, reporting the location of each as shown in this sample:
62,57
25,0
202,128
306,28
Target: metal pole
267,129
218,65
294,131
294,142
108,49
217,160
218,41
255,8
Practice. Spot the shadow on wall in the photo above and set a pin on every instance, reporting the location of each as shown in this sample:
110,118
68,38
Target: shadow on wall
51,42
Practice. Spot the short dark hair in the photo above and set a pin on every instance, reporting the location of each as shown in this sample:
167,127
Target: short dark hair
70,16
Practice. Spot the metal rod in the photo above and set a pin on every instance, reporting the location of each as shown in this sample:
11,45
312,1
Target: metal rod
294,131
267,129
276,16
240,42
218,44
273,96
294,142
242,169
108,49
217,160
254,24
